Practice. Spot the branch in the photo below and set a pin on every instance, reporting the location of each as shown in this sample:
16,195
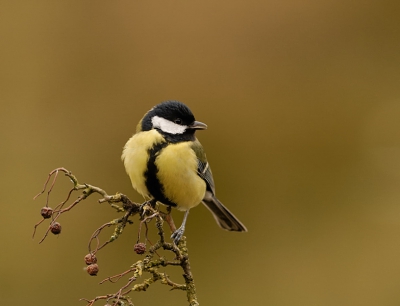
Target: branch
147,213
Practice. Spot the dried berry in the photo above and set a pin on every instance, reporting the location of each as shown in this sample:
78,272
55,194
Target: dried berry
90,259
92,269
139,248
46,212
55,228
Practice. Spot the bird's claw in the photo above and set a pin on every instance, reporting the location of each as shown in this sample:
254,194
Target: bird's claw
177,235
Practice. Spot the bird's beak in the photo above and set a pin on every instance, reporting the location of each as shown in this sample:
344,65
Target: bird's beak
197,125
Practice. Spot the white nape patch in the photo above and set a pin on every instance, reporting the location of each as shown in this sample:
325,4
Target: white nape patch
167,126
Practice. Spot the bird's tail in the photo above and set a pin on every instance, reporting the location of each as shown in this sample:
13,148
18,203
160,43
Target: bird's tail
223,216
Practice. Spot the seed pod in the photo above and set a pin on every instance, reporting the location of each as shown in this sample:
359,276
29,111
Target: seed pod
90,259
46,212
55,228
139,248
92,269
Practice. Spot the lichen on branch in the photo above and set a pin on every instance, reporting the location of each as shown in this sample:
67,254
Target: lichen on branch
146,213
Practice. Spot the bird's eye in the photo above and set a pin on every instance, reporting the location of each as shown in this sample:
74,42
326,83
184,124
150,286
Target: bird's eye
178,121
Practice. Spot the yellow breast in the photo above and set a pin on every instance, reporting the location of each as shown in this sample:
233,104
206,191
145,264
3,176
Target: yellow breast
135,158
177,171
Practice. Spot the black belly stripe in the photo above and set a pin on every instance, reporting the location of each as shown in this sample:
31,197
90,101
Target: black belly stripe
153,184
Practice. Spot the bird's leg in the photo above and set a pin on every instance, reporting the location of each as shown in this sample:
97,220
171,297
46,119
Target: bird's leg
177,235
170,221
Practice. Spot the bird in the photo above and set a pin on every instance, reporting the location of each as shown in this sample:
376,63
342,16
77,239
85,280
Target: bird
167,164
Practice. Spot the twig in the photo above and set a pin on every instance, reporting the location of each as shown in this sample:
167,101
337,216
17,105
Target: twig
149,264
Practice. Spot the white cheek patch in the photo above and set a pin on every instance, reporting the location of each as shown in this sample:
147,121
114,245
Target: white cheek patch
167,126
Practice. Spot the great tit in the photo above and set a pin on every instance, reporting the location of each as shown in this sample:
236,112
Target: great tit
167,164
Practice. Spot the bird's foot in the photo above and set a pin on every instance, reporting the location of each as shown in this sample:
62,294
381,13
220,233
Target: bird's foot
177,235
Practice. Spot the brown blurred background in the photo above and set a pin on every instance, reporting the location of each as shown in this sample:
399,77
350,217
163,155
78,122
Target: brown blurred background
302,103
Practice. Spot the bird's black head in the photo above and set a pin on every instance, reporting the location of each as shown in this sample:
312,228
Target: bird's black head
173,119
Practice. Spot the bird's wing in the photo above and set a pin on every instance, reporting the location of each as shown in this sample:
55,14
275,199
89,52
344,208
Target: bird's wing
203,168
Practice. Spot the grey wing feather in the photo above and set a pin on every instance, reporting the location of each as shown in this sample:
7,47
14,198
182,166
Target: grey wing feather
204,171
203,168
222,215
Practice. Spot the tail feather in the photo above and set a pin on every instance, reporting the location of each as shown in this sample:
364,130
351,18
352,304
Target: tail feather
223,216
